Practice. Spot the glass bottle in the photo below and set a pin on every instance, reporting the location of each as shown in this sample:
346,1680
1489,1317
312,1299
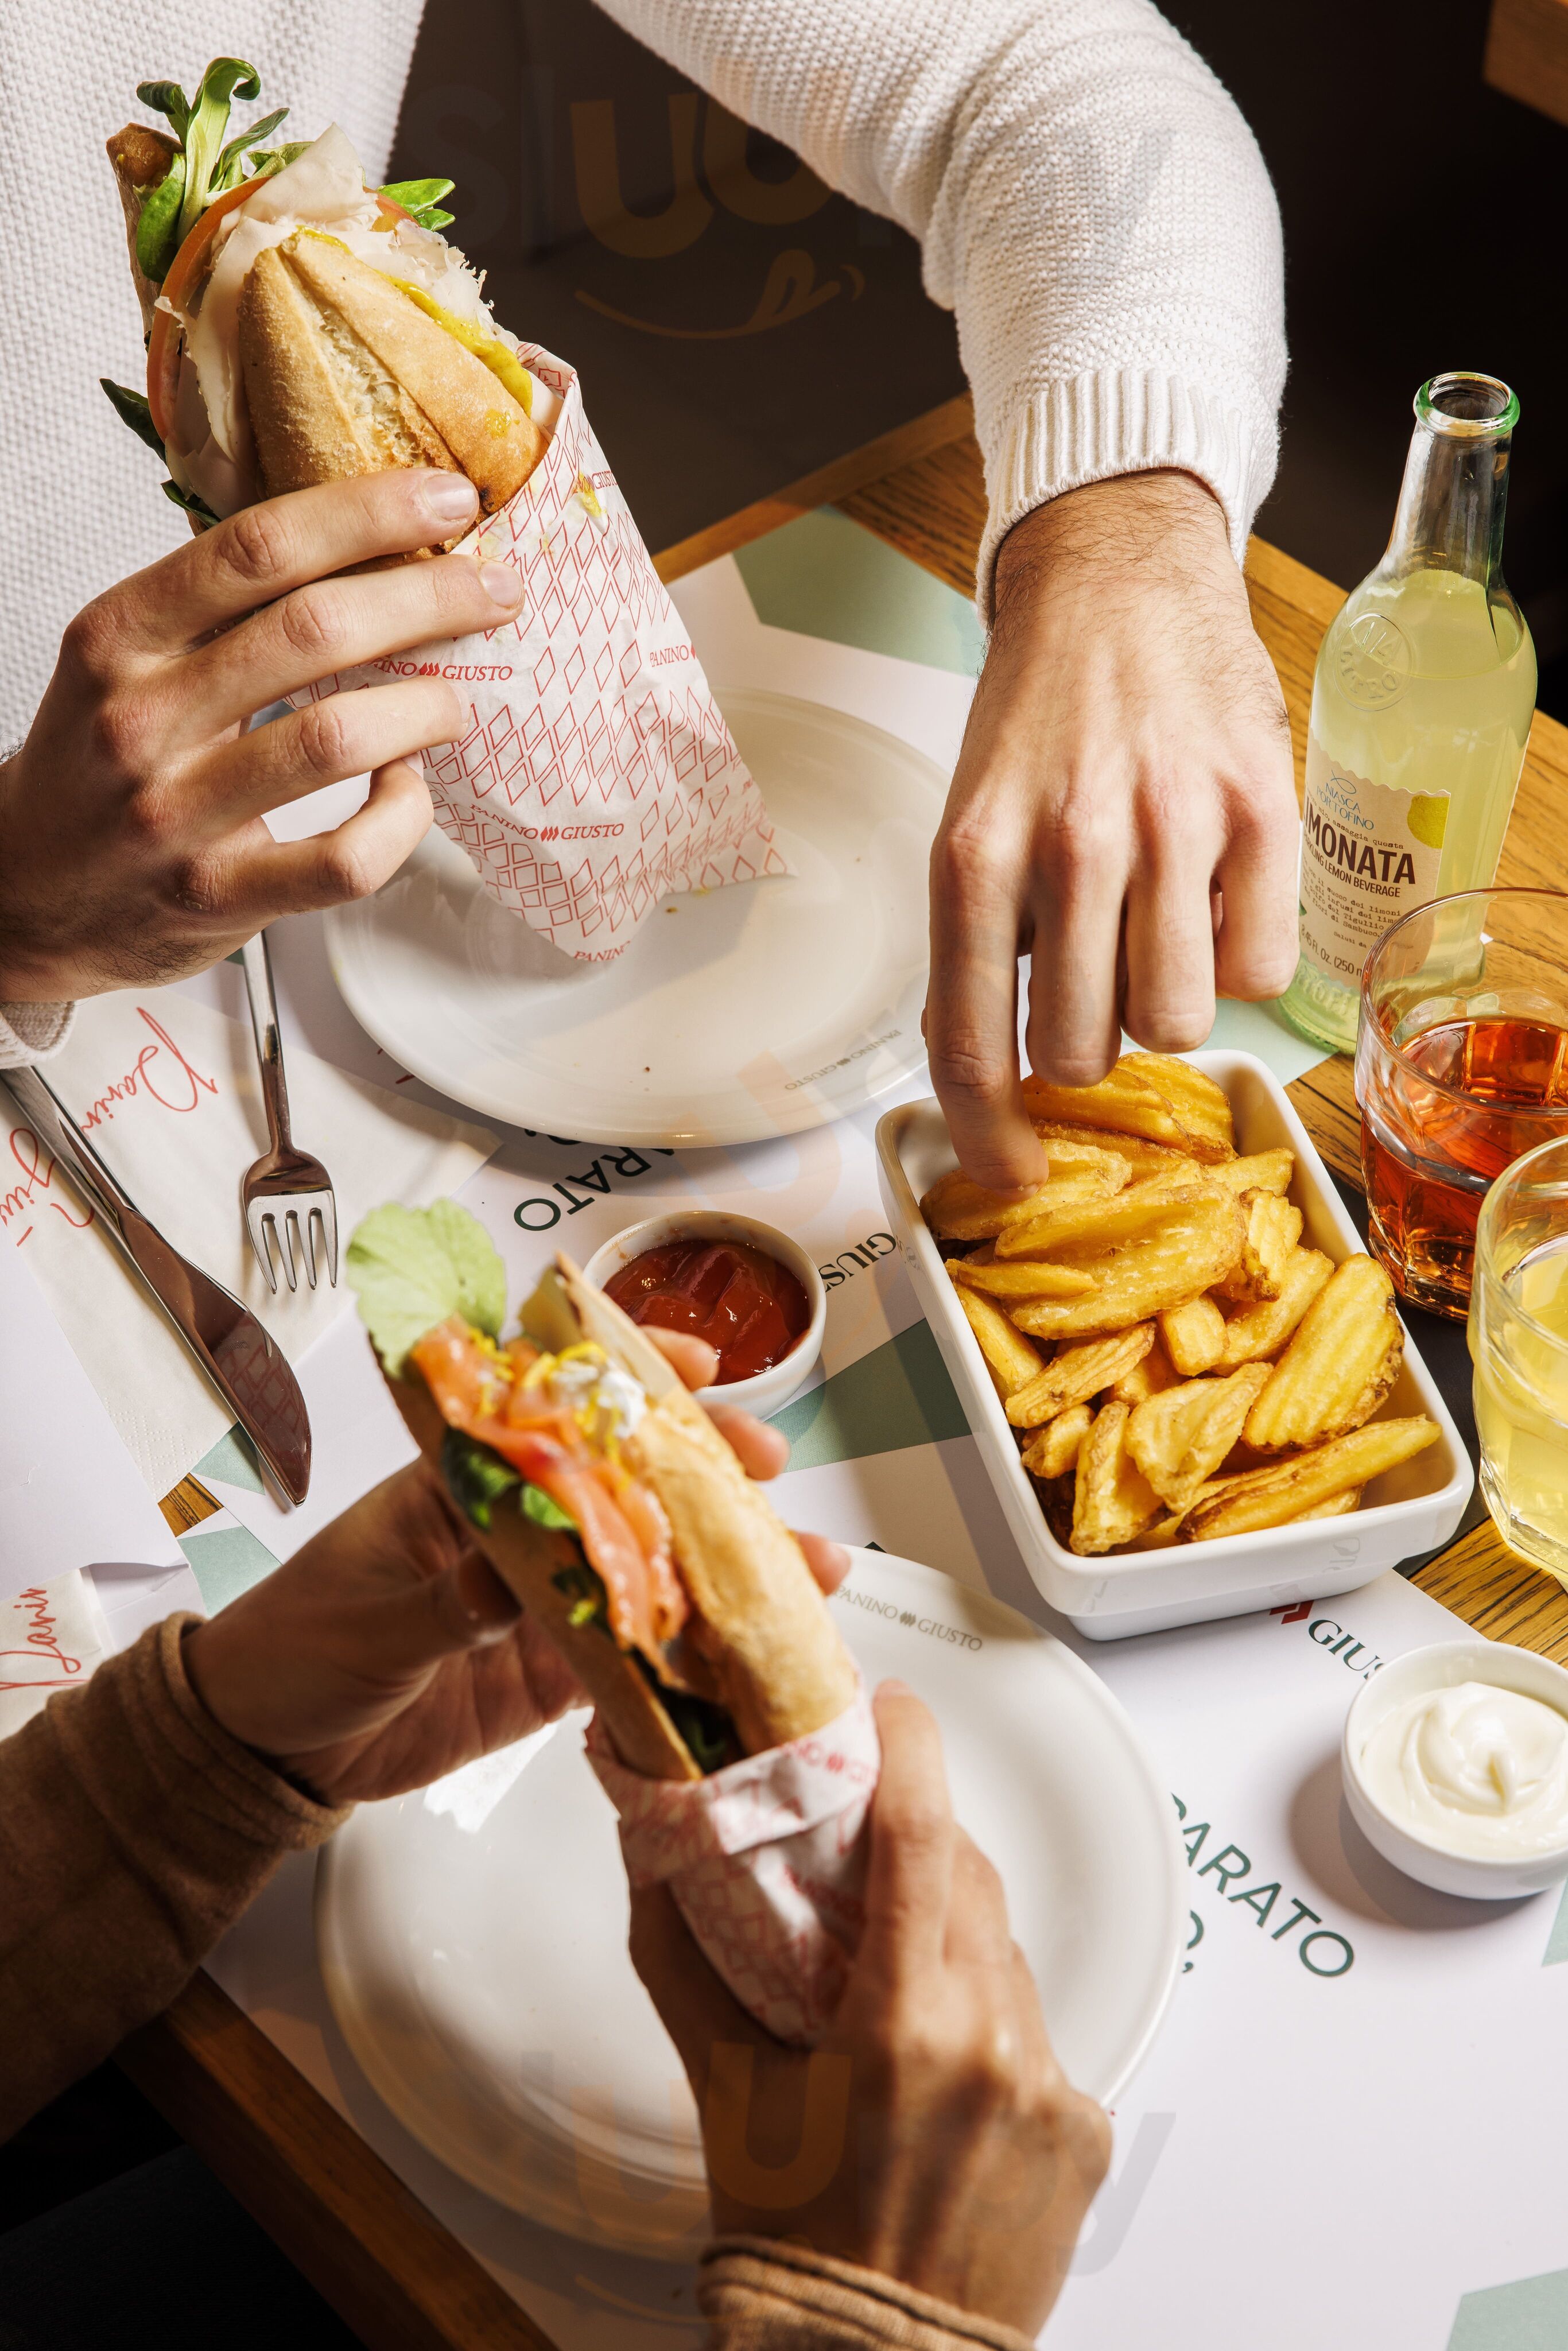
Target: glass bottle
1421,707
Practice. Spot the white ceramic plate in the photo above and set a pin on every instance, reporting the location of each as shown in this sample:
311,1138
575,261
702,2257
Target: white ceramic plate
1410,1512
744,1013
479,1972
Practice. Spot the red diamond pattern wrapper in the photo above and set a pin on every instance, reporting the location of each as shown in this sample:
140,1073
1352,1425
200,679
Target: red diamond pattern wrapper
595,774
766,1860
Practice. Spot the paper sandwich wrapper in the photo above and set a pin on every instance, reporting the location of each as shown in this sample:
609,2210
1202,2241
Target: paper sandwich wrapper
595,774
767,1861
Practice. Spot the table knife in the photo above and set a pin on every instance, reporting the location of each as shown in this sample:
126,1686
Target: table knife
247,1368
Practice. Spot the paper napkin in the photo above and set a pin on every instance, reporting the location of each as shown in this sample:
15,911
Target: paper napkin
766,1860
51,1636
168,1092
69,1493
594,772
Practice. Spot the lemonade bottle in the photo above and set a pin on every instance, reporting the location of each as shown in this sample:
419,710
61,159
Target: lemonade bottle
1421,707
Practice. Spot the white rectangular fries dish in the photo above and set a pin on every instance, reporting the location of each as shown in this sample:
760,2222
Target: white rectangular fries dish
1410,1511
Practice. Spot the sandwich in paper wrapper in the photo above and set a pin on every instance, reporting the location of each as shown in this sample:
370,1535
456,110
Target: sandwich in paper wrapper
732,1731
596,774
766,1861
304,328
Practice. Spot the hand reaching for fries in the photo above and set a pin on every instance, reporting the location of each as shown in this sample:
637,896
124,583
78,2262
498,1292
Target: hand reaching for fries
1177,1367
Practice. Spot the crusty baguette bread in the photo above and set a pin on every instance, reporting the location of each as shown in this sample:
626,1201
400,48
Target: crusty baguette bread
780,1662
345,375
527,1557
314,415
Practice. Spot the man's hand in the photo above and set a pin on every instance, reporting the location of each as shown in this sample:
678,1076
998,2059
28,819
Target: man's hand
388,1651
1122,810
132,842
931,2134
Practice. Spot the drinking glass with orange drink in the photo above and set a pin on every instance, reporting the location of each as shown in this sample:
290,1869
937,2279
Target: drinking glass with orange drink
1461,1067
1519,1345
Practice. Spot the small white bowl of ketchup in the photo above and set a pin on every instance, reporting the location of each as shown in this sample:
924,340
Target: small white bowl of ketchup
747,1288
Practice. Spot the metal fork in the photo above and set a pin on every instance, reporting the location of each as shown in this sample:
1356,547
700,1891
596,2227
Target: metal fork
286,1192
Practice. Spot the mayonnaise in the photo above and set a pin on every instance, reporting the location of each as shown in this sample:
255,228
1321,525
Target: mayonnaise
1476,1770
607,1401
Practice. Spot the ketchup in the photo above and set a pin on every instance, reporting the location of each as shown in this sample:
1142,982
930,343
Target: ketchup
738,1297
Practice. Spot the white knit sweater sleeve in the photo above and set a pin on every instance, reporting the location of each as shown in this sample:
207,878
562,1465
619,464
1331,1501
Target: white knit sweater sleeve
1088,199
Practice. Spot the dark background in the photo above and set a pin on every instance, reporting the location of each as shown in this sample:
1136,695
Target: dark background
737,328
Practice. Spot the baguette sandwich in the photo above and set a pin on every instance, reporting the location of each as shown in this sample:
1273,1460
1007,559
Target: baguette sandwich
302,327
604,1499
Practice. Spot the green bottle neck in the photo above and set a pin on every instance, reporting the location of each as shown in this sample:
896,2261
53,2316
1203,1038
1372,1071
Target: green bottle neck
1454,496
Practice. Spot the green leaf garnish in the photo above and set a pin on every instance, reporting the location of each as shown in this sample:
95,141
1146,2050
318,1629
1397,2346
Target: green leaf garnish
583,1587
536,1504
422,199
168,98
189,503
204,167
131,409
158,229
475,1475
706,1729
413,1267
230,169
266,161
414,195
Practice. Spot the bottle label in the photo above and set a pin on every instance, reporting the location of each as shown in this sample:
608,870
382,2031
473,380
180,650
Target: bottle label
1370,853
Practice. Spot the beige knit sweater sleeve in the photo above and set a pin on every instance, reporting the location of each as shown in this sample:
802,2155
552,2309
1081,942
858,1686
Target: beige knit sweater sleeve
1088,199
133,1831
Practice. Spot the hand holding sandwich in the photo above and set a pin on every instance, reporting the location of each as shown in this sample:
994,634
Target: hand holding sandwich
931,2137
388,1651
132,842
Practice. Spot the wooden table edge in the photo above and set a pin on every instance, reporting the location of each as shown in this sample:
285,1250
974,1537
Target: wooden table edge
391,2270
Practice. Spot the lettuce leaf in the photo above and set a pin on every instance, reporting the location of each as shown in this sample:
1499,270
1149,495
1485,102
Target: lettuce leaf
413,1267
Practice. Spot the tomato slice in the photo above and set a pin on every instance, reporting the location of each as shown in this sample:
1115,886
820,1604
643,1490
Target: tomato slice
163,346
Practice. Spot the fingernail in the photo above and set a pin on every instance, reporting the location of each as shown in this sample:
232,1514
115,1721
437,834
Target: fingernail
449,497
894,1688
502,585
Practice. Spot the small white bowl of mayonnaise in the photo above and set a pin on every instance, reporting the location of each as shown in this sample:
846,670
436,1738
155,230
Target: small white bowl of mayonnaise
1456,1768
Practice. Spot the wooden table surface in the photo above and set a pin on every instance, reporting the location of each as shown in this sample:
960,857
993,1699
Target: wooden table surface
396,2275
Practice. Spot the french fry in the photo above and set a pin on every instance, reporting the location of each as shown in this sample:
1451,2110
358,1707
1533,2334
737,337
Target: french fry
1111,1500
1099,1218
1143,1157
1338,1506
1146,1378
1179,1439
1065,1154
1270,1498
1201,1106
1341,1363
1262,1171
1274,1228
1053,1451
1011,1360
1262,1331
1192,1247
1124,1103
958,1210
1029,1279
1077,1374
1194,1335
